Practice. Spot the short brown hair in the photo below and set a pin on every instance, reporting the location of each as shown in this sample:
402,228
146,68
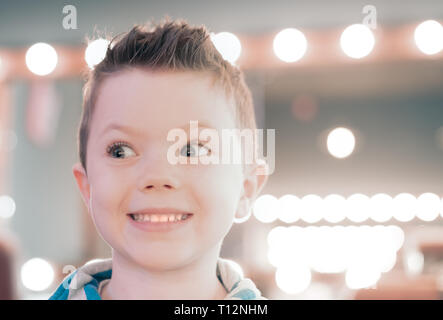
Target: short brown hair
169,45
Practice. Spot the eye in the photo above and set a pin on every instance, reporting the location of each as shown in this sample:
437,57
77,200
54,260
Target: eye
116,149
190,150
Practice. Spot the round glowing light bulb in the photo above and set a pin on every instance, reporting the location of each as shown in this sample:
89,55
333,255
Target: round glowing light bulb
405,207
357,208
362,277
228,45
341,142
290,45
357,41
41,59
7,207
37,274
265,208
428,37
293,279
96,52
428,206
289,208
311,210
334,208
381,207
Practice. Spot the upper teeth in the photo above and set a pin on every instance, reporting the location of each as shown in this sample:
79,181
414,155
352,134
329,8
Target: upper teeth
159,217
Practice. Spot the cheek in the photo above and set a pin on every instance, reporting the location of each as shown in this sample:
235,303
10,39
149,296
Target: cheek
218,192
108,194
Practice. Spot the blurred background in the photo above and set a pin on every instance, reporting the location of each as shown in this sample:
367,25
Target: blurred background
353,90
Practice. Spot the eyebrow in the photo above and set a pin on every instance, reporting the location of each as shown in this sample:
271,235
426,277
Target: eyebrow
131,130
120,127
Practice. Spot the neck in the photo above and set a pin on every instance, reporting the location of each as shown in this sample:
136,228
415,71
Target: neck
196,280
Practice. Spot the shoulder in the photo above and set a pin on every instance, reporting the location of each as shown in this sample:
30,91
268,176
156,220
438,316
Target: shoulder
83,283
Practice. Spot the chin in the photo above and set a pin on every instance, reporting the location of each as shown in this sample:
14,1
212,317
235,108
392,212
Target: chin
161,259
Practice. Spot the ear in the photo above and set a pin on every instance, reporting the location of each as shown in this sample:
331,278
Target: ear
82,183
255,179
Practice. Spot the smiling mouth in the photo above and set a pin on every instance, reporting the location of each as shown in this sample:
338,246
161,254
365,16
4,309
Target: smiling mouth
160,218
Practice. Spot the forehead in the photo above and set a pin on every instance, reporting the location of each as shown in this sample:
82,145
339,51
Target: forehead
156,102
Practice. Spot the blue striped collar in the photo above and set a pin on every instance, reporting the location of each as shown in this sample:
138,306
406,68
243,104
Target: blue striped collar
83,283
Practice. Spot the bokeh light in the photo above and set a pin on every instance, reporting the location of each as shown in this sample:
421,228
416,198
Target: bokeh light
428,206
357,208
341,142
381,206
41,59
293,279
414,261
288,209
428,37
334,208
7,207
361,276
357,41
228,45
404,207
265,208
290,45
96,52
37,274
311,208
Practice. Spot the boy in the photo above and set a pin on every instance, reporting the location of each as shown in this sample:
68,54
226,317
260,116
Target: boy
164,222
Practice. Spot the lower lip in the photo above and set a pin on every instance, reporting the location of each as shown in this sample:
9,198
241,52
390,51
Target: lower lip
159,226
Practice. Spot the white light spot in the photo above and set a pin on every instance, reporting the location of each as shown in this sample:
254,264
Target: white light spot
228,45
405,207
41,59
290,45
96,52
414,262
396,236
341,142
7,207
311,208
428,37
265,208
334,208
37,274
362,276
381,206
289,208
293,279
428,206
357,208
357,41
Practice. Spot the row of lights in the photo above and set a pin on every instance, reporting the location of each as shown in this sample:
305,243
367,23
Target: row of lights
289,45
362,252
357,208
334,208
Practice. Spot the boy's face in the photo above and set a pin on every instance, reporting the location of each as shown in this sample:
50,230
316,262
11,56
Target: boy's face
139,176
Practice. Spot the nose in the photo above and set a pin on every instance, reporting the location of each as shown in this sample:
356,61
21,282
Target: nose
158,181
159,185
158,174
